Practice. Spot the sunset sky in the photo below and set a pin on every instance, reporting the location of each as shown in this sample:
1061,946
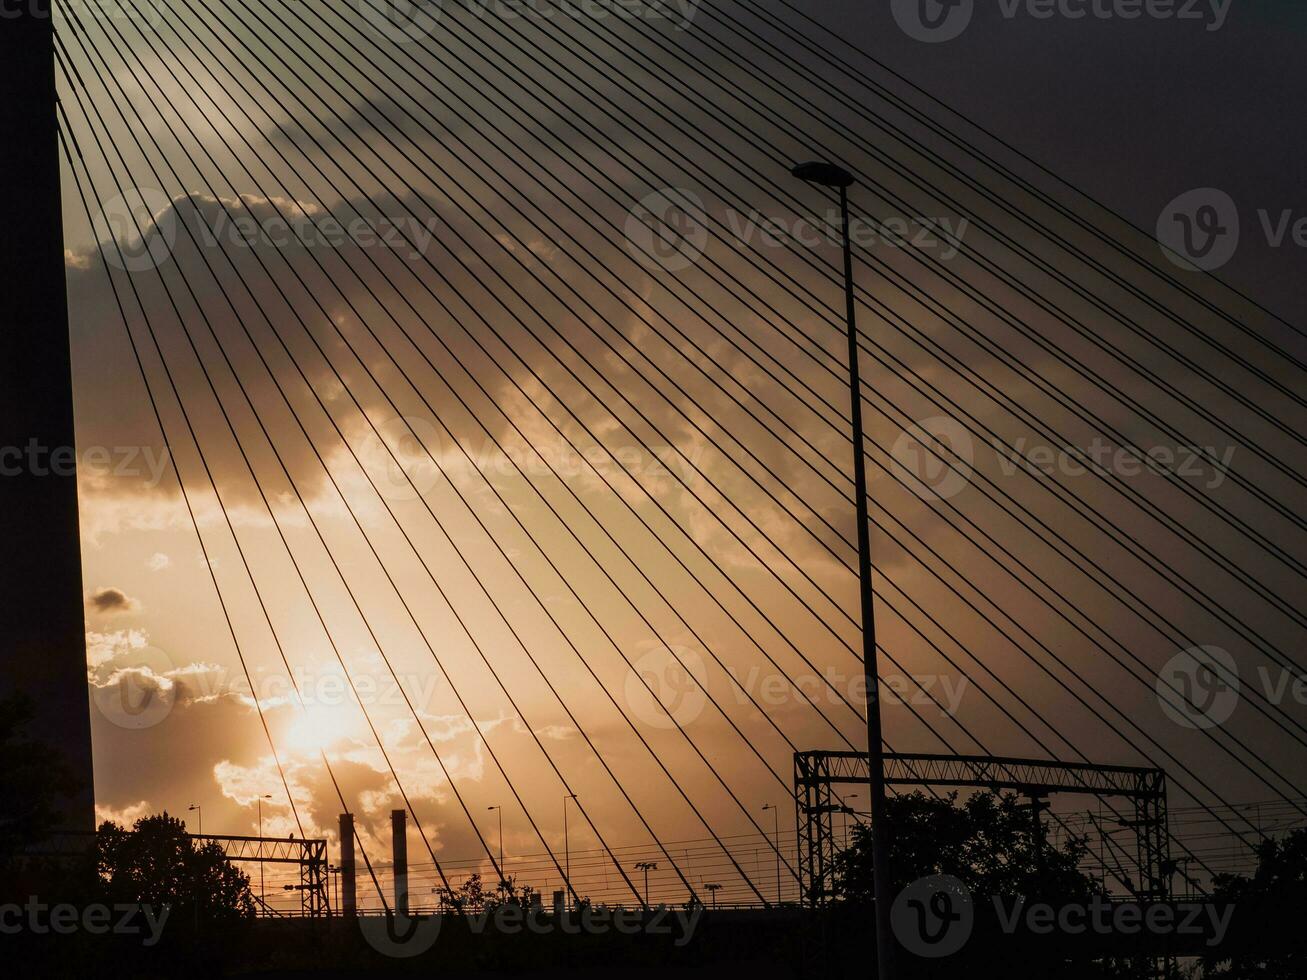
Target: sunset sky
591,488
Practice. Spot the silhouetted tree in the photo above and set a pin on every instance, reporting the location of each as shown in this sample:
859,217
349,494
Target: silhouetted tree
988,842
157,863
1268,941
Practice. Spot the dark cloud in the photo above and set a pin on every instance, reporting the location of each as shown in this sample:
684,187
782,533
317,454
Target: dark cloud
110,600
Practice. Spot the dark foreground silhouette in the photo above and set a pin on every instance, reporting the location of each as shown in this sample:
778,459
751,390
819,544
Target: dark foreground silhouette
148,901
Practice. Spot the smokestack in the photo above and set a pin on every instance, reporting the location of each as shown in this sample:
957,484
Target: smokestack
348,896
399,844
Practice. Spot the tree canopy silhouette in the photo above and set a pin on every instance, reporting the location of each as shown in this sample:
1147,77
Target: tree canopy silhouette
988,842
156,862
1269,907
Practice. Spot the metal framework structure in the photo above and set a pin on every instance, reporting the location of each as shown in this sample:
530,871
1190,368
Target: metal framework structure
309,853
816,772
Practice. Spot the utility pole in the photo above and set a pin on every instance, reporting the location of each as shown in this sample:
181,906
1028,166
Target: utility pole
43,650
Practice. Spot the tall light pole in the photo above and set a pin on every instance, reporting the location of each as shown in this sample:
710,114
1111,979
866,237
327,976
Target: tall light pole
829,175
503,883
199,817
567,850
713,888
776,826
266,796
646,867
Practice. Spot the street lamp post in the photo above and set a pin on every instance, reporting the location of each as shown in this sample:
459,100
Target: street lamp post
713,888
199,817
829,175
567,850
847,811
503,883
776,826
261,863
646,867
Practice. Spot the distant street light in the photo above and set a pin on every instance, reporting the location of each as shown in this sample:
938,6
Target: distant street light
567,850
713,889
199,817
646,867
261,863
334,871
776,821
503,878
848,811
830,175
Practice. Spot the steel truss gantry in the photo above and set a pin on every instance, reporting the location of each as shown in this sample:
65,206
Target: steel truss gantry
816,772
309,853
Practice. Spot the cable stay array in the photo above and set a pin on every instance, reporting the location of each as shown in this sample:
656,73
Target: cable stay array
538,393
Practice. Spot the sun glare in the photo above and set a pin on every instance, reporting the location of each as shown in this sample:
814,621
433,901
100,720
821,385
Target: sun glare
315,729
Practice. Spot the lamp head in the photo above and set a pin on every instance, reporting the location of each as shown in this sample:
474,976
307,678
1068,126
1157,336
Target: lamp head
826,174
